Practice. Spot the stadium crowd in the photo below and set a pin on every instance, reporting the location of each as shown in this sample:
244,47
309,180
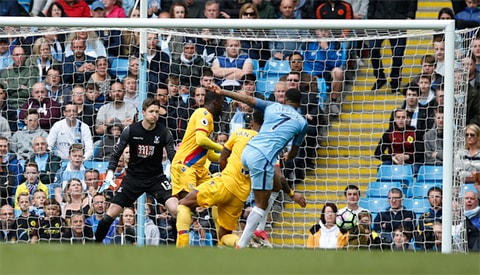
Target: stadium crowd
73,107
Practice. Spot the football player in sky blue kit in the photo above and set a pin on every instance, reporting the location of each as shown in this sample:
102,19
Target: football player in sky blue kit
282,124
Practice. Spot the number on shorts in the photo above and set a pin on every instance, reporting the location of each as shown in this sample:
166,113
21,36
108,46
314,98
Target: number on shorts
166,185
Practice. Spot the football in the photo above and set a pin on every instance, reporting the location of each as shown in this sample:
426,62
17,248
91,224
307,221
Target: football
346,219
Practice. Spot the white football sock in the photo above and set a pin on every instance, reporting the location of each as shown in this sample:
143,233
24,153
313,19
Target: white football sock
252,221
271,201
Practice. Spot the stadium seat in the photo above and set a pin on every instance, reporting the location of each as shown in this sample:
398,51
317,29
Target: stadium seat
431,174
420,189
380,189
417,205
276,68
101,166
266,85
468,187
257,71
400,173
374,205
118,67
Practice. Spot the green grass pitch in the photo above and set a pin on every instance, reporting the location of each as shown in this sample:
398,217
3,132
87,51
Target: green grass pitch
93,259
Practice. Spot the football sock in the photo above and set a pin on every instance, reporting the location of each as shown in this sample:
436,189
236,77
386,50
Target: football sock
229,240
271,201
184,219
215,217
252,222
103,227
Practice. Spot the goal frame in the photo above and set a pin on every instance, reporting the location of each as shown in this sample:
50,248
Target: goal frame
448,26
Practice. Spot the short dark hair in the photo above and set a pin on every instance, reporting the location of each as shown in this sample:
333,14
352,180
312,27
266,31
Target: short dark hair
293,95
434,189
328,204
351,187
149,102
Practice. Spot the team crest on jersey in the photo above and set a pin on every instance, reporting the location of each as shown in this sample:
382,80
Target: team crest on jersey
156,140
204,121
183,169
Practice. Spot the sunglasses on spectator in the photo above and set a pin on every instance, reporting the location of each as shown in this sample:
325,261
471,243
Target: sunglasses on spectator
293,80
470,135
249,14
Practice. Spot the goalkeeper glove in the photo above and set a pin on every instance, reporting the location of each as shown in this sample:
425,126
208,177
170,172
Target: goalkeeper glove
107,182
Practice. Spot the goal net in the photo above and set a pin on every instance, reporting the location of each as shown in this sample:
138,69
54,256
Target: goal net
346,117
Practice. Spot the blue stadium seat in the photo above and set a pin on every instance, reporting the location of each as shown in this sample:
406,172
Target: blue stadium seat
400,173
380,189
420,189
276,68
468,187
267,85
374,205
101,166
118,67
257,71
431,174
417,205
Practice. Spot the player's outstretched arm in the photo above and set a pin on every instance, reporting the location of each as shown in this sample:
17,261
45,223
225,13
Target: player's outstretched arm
249,100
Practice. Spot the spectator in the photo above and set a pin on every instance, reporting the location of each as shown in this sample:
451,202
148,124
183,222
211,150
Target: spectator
47,109
131,90
477,182
52,226
93,44
175,47
75,8
434,140
55,10
326,233
96,215
323,59
230,8
230,68
236,115
6,111
279,48
195,8
92,181
101,76
113,9
74,168
125,232
31,184
75,199
386,222
401,240
426,95
118,108
105,147
11,172
352,195
158,63
399,142
93,97
152,232
189,65
22,140
79,231
473,92
111,39
439,53
41,58
120,172
8,226
86,113
5,128
384,9
212,10
48,163
18,78
472,214
335,9
425,235
78,67
162,96
257,50
38,202
56,90
470,17
448,14
68,131
5,58
458,5
56,42
471,154
428,68
26,221
265,9
308,83
9,8
475,49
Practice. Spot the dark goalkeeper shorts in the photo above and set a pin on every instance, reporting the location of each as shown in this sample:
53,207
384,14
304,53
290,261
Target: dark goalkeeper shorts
158,187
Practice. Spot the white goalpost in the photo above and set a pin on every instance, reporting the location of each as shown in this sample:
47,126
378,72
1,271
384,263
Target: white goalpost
229,28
